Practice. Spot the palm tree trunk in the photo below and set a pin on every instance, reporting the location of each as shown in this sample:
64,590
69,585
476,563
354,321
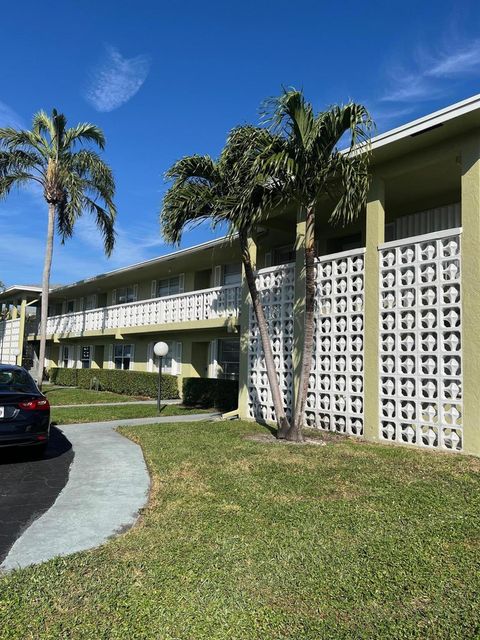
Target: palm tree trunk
295,433
283,424
45,289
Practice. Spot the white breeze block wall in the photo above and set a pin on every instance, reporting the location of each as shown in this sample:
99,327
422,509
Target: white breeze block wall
420,341
336,386
9,336
277,289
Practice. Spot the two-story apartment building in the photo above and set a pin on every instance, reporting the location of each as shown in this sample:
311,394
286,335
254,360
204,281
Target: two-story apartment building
397,341
189,299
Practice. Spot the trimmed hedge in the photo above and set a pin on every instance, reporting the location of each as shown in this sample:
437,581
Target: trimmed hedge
132,383
210,392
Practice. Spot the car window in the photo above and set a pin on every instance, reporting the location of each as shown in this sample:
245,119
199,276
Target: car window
14,380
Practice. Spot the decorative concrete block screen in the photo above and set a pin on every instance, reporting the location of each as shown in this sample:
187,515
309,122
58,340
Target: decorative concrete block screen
9,335
420,341
335,393
277,287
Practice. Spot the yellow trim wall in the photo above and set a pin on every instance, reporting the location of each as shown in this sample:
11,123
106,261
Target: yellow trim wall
470,266
374,235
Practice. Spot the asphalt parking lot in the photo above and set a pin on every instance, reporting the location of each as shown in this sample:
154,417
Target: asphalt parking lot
29,487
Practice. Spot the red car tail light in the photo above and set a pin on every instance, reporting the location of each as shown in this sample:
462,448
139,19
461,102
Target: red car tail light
35,404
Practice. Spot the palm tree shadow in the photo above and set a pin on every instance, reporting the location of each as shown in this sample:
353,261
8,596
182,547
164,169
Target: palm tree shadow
258,418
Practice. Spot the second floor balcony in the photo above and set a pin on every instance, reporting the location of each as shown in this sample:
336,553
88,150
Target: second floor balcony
220,304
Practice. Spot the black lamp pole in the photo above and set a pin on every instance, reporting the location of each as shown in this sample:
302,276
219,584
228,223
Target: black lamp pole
159,399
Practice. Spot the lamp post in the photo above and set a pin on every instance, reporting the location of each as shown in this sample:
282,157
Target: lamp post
160,349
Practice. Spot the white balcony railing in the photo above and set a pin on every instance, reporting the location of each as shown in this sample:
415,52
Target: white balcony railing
207,304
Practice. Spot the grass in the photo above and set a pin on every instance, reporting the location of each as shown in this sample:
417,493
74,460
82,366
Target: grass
249,541
71,415
66,395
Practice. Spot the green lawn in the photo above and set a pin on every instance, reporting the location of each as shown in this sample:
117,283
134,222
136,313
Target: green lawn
246,540
71,415
67,395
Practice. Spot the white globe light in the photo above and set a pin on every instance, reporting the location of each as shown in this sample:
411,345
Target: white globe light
160,349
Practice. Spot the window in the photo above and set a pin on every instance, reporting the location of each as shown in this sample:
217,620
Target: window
70,306
90,302
122,356
429,221
232,274
65,356
167,361
126,294
168,287
344,243
171,363
229,358
86,357
55,309
284,255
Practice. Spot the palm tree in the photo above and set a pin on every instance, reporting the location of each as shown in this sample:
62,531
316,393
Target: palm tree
227,191
310,168
72,181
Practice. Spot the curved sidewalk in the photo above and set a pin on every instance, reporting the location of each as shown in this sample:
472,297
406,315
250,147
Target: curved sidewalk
107,486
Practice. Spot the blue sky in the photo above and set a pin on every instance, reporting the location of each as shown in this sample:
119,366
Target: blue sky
165,79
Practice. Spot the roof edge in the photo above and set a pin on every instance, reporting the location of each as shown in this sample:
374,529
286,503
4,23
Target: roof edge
159,259
426,122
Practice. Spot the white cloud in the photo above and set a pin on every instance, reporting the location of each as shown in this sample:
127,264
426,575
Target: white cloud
425,79
463,61
131,246
9,118
411,88
386,117
116,80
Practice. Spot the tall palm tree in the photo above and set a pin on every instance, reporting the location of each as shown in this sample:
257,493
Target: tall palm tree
227,191
311,169
73,180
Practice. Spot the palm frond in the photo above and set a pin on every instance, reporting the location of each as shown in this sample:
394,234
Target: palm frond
88,164
84,132
42,125
350,181
186,204
105,221
195,167
13,179
19,159
291,116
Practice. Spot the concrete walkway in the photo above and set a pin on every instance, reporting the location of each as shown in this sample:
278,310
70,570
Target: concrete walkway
113,404
107,486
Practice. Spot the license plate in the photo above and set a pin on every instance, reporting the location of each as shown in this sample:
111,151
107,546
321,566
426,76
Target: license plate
2,412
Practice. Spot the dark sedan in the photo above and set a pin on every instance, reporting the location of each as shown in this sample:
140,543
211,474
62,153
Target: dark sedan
24,411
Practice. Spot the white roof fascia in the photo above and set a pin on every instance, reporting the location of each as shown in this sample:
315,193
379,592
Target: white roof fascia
425,122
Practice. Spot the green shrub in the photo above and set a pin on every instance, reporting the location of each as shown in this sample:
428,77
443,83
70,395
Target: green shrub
208,392
132,383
